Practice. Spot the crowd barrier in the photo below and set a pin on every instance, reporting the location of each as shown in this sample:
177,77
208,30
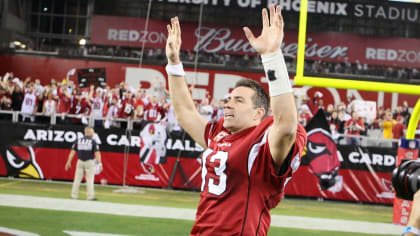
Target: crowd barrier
155,157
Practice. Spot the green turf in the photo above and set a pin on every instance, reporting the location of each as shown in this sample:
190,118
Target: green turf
48,222
185,199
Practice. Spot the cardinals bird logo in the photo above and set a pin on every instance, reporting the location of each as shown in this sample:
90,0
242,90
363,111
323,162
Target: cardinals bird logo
20,162
321,152
152,144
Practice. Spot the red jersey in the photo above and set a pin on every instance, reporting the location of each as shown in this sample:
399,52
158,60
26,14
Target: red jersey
152,112
127,108
138,102
79,107
240,183
352,126
398,130
64,102
304,118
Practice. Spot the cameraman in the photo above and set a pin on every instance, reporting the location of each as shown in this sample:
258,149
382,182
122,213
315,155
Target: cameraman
413,225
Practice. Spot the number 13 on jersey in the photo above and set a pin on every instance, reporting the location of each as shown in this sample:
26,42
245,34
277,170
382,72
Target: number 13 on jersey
221,177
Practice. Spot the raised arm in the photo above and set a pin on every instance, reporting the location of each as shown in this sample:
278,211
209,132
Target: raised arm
282,134
186,112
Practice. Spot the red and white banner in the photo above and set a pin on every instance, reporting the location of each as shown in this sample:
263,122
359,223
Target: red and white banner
40,151
326,46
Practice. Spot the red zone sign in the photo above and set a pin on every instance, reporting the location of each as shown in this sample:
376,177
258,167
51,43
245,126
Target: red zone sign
326,46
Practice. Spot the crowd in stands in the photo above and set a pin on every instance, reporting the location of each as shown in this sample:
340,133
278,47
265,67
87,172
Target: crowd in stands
345,121
108,106
236,61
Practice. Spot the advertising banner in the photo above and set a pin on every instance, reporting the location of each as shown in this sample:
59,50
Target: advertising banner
40,152
325,46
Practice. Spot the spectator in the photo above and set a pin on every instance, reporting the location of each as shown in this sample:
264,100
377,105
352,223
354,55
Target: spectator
39,89
159,90
80,107
219,110
305,115
329,111
5,100
153,111
336,124
127,105
29,104
353,127
111,114
16,94
139,105
97,107
398,130
405,112
49,105
64,102
205,109
387,124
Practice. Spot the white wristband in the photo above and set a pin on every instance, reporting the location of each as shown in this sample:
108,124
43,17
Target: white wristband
176,70
276,73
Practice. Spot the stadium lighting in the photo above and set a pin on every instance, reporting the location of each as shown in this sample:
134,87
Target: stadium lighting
82,42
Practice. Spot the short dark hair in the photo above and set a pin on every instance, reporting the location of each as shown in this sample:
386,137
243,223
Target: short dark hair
260,98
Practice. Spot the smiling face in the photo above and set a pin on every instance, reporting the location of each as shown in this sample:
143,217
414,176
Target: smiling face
240,112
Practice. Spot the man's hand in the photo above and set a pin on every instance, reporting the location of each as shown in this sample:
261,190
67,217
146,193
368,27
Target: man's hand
272,33
173,43
414,219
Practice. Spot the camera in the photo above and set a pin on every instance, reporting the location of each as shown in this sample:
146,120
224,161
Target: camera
406,179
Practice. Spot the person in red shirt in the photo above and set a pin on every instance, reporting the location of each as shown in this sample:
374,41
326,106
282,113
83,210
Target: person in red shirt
353,127
64,103
138,111
153,111
305,115
249,157
127,105
138,100
5,104
398,130
80,106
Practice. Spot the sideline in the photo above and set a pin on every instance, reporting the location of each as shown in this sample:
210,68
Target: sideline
299,222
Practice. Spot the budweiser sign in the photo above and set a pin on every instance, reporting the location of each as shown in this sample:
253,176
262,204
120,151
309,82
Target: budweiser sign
329,46
214,40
